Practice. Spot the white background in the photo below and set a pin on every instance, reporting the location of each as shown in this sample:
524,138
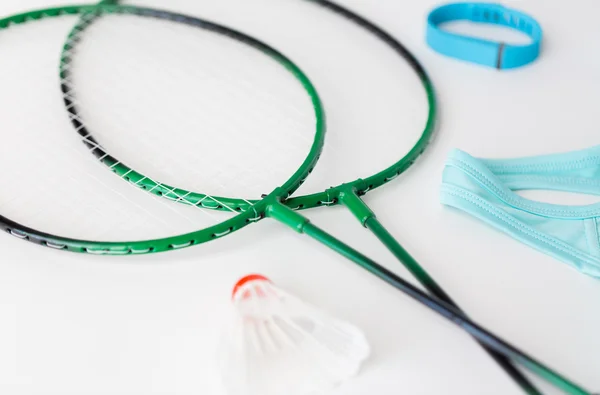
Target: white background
72,324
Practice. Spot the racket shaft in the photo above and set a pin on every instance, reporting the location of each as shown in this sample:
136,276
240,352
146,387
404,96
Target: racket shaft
434,289
368,219
301,224
446,310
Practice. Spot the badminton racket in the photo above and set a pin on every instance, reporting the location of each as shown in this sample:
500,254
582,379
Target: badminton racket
348,194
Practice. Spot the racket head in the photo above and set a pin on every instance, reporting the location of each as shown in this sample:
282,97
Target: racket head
365,182
110,202
363,185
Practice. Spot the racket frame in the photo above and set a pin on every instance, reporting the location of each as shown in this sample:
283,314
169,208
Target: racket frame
250,213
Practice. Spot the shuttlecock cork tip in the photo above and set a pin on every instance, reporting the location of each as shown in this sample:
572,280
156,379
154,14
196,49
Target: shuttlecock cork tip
245,280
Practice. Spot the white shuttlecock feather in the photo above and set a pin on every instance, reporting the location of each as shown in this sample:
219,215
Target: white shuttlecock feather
279,345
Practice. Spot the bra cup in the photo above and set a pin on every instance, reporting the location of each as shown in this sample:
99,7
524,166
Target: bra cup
486,190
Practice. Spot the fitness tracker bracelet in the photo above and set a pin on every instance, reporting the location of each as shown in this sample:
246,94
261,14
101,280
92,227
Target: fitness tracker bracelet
484,52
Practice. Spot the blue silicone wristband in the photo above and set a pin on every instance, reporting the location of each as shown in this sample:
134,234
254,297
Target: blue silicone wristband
480,51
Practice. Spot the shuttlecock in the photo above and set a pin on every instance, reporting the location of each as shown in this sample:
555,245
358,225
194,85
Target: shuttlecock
279,345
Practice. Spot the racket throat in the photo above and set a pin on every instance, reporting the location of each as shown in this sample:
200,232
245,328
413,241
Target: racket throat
285,215
348,196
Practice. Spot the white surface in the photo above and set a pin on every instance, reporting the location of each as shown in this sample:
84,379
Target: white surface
73,324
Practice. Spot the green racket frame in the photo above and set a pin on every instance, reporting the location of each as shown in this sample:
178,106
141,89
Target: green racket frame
248,215
329,197
346,194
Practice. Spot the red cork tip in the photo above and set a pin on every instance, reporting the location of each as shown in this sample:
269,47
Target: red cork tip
245,280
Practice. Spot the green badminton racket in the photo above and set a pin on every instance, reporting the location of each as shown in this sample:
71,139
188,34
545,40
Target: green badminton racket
58,195
347,194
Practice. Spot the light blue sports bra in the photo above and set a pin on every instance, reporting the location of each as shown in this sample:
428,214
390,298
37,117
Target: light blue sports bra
485,189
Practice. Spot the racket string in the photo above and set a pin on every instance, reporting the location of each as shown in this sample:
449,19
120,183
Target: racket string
223,186
71,206
61,164
92,146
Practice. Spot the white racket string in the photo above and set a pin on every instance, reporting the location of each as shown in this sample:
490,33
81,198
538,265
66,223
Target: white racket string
132,104
376,107
58,155
182,199
291,124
